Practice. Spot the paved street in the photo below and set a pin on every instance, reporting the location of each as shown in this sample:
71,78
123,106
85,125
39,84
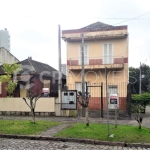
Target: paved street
17,144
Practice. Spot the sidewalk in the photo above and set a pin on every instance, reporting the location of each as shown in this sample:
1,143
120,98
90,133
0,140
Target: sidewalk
68,121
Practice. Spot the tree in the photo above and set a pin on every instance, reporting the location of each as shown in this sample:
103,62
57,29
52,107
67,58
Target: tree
9,70
138,106
84,102
134,74
32,97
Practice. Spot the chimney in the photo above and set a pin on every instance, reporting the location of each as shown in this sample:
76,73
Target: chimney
30,58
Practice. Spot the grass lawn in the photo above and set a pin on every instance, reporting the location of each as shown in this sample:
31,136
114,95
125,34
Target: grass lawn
122,133
24,127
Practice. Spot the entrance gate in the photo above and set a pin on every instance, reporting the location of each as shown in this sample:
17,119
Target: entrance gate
95,106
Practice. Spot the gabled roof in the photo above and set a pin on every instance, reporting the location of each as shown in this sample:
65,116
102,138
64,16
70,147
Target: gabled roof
97,26
34,67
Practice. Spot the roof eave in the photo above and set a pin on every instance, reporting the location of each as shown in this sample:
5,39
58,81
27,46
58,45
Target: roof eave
101,37
91,30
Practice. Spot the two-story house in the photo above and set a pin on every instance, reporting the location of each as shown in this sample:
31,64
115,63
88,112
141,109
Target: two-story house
105,46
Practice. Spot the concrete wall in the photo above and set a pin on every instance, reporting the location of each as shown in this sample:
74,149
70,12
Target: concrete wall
18,104
7,57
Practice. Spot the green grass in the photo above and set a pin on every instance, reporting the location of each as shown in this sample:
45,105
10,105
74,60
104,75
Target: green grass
24,127
122,133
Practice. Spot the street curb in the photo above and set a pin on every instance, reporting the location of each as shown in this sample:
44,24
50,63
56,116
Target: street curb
85,141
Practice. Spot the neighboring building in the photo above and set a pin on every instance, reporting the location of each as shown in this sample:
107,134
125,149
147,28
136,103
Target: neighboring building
63,68
104,46
7,57
5,39
35,76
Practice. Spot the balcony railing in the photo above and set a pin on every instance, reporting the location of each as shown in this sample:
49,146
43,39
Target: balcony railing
96,61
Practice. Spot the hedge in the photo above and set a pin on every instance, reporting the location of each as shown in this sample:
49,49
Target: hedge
143,99
140,101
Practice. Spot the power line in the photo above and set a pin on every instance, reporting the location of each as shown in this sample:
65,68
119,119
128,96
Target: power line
147,59
133,18
107,27
124,18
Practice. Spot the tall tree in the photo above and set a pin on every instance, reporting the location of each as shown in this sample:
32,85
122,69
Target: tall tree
134,74
9,70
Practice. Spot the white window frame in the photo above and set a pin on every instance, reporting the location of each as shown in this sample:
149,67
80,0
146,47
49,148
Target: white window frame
108,62
112,86
80,56
81,86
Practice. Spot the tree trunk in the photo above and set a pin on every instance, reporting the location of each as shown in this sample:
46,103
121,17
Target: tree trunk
115,118
139,125
87,116
33,115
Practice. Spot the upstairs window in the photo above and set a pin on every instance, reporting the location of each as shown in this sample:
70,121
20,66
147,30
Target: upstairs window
86,55
108,53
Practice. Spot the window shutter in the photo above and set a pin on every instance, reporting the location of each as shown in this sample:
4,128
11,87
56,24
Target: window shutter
110,55
105,54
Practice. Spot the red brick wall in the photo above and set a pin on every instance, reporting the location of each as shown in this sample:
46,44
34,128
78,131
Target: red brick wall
95,61
95,103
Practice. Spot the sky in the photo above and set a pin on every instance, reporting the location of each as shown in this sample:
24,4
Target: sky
33,25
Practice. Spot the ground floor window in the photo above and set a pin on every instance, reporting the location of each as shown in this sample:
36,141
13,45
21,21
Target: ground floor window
78,86
112,89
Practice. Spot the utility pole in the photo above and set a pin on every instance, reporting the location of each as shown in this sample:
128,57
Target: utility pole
83,84
140,80
59,65
107,102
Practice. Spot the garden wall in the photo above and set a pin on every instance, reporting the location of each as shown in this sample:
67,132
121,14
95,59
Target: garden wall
10,106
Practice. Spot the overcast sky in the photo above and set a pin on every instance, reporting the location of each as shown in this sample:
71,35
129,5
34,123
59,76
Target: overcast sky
33,25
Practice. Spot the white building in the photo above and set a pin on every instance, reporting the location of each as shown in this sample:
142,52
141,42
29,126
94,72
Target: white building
7,57
5,39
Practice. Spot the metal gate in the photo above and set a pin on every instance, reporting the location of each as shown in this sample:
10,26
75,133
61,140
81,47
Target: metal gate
96,100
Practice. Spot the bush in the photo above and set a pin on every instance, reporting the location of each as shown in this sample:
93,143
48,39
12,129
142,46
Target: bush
140,101
143,99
